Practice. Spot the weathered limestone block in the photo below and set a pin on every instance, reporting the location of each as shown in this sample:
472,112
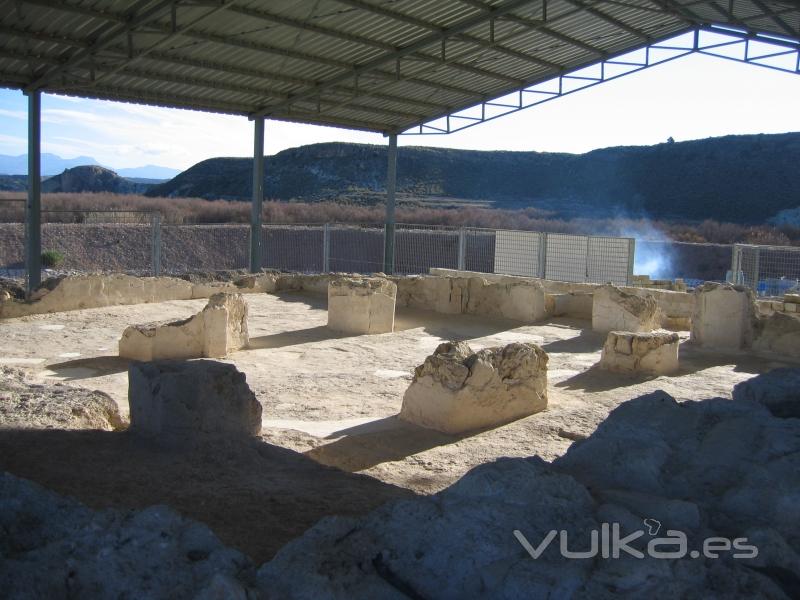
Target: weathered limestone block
723,316
778,334
361,305
654,353
216,331
258,283
521,300
224,325
188,399
616,310
439,294
457,390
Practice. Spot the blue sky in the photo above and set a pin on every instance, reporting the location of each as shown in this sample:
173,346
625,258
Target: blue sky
690,98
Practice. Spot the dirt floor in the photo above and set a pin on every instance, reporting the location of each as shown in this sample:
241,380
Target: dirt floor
329,401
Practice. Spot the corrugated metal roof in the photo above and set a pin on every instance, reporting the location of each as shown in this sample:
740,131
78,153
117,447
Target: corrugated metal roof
367,64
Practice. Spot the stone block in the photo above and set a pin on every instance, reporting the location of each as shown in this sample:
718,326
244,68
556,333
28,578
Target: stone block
219,329
361,305
520,300
616,310
181,400
653,353
457,390
724,316
778,334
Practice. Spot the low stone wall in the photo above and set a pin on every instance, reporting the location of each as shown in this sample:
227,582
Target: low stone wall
94,291
676,307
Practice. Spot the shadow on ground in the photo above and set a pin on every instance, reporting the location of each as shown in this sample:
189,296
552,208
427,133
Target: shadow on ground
86,368
450,327
255,496
295,338
383,440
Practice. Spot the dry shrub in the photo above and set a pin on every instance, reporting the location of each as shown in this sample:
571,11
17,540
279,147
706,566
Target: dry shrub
196,210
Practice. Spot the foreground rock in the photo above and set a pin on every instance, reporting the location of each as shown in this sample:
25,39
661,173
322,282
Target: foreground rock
361,305
724,316
654,353
219,329
185,400
25,405
457,390
53,547
704,469
778,391
616,310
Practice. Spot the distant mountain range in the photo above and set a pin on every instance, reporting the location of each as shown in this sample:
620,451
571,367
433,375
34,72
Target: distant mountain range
53,164
743,179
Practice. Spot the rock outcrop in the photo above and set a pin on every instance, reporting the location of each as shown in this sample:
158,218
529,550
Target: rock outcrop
361,305
26,405
616,310
653,353
724,316
53,547
457,390
686,473
219,329
185,400
777,390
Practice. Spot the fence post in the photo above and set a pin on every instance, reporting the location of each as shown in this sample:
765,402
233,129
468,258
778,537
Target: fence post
155,222
631,260
756,270
542,255
735,261
462,249
326,248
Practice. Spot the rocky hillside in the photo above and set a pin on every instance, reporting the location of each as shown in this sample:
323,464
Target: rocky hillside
744,179
92,178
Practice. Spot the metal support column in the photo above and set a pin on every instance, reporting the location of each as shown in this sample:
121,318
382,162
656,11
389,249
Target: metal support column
33,207
391,186
258,196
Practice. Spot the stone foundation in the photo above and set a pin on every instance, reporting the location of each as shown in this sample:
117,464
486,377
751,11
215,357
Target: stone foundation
778,334
654,353
184,400
724,316
219,329
457,390
616,310
361,305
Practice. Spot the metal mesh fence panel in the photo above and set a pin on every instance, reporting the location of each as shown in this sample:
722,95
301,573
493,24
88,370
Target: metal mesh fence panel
356,249
768,270
609,260
186,248
566,257
419,248
293,247
87,241
479,249
12,249
519,253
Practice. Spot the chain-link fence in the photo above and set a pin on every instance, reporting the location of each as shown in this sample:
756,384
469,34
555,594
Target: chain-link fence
139,243
768,270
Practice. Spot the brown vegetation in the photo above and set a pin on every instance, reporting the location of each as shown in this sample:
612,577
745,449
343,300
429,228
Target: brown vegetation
196,210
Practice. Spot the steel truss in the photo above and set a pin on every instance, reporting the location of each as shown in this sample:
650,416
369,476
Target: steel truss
773,52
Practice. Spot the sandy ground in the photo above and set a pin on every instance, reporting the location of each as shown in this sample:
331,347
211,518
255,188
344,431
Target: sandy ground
330,398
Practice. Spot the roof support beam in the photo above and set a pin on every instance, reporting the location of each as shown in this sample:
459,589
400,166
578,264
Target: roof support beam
33,206
390,57
109,36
